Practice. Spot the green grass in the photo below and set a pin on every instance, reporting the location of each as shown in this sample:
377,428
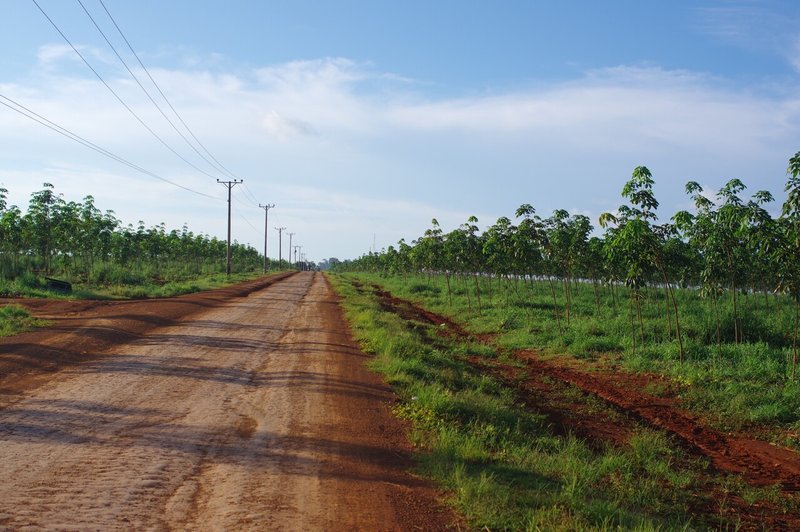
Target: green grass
15,319
137,288
734,386
501,464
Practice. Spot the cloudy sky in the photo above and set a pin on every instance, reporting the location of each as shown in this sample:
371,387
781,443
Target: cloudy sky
362,120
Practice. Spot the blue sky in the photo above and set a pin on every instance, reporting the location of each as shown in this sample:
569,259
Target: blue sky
363,120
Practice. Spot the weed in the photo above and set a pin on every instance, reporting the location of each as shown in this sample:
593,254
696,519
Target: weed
15,319
502,466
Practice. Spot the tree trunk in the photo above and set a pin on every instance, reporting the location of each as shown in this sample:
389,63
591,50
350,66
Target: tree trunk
794,339
633,322
555,307
614,296
719,326
449,295
735,314
477,292
669,314
596,297
671,294
639,314
466,291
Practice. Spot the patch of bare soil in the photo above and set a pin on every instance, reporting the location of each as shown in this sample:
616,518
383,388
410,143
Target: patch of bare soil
251,410
81,330
759,462
548,387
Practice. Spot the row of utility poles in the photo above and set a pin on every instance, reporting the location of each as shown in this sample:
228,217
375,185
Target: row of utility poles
229,185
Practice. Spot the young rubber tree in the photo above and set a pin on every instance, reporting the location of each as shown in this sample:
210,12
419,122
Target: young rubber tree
559,251
731,232
38,223
498,250
637,242
472,254
789,253
528,241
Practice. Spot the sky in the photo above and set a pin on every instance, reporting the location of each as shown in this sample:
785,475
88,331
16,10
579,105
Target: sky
363,120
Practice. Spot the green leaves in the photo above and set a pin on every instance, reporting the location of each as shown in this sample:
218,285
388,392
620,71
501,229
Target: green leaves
70,237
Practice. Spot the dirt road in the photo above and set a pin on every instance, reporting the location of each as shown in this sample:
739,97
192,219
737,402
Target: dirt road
257,413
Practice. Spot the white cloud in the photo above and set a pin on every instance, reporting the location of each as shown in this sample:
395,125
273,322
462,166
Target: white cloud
794,54
753,26
283,128
52,53
346,151
51,56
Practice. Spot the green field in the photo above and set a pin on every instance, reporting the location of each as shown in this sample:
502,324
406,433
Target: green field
502,463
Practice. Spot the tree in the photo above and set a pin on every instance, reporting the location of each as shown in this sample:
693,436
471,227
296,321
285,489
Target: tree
636,243
789,253
39,220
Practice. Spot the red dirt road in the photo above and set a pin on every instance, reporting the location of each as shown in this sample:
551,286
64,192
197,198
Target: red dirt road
257,412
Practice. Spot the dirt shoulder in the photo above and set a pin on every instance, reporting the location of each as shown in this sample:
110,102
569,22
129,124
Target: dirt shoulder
250,413
81,330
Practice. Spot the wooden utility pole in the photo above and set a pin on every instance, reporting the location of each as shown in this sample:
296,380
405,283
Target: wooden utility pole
266,208
290,247
280,231
229,185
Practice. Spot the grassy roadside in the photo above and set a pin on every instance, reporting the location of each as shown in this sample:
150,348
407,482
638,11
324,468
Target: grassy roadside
501,463
742,387
15,319
30,286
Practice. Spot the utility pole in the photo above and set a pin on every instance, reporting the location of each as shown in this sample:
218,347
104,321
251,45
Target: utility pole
295,255
266,208
290,246
280,231
229,185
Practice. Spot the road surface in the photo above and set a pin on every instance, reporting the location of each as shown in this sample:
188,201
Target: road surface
256,413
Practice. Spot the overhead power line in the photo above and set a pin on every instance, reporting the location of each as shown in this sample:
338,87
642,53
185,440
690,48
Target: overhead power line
28,113
146,92
251,196
231,174
117,96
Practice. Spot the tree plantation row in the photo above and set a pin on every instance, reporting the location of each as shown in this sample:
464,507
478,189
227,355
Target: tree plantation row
729,273
58,237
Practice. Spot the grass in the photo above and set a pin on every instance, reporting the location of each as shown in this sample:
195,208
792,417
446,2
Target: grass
735,386
15,319
33,286
501,463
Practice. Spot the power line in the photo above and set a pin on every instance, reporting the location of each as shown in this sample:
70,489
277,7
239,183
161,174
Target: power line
248,222
117,96
28,113
252,197
239,196
136,79
231,174
245,200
